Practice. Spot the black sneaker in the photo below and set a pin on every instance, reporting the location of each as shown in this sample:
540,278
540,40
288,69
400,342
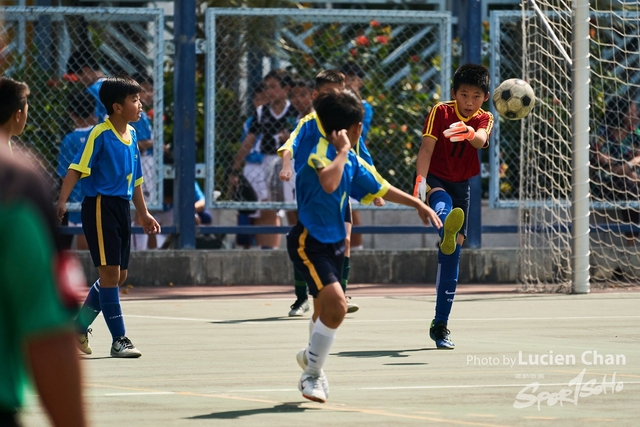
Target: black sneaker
298,308
440,334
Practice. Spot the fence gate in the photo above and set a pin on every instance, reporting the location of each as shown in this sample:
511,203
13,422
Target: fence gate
405,55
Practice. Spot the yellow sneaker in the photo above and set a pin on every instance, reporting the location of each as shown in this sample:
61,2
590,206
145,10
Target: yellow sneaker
83,342
452,224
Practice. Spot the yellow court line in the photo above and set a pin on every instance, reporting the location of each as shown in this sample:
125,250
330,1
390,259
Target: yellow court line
308,405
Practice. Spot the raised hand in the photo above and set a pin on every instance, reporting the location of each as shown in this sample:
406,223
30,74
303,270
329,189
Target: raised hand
459,132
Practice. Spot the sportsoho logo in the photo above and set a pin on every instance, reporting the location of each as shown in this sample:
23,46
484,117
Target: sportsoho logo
577,388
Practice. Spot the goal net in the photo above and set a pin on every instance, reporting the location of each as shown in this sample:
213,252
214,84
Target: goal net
547,171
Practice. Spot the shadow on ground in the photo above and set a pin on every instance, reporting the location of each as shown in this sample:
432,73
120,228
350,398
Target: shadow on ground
289,407
380,353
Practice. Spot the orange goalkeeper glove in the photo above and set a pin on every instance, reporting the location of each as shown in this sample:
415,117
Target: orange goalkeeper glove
420,188
459,132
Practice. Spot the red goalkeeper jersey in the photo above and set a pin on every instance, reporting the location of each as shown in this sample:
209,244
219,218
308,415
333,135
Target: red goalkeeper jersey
454,161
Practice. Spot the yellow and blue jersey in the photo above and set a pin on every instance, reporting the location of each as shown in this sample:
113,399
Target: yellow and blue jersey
305,137
322,213
109,165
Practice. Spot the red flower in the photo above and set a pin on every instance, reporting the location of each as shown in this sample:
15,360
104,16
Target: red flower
362,41
415,58
70,77
374,23
353,52
382,39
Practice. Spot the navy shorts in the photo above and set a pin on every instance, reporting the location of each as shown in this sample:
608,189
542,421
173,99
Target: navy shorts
460,193
106,222
319,263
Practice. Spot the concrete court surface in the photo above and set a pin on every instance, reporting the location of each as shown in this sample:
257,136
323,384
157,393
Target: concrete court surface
224,356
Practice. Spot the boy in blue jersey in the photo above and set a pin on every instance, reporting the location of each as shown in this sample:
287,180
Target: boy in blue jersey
109,165
316,244
354,79
13,109
81,110
453,133
297,148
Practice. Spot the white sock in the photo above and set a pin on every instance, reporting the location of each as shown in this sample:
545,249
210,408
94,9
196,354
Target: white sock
321,340
312,324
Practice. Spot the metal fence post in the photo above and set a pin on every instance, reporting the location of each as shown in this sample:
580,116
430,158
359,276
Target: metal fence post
472,53
184,138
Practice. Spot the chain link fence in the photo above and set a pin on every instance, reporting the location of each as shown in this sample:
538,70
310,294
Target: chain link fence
62,54
506,62
405,58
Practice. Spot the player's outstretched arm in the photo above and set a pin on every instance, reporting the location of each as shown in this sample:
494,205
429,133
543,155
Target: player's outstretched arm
286,171
148,222
426,214
70,181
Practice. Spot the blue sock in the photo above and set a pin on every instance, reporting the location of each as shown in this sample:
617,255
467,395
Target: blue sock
446,283
440,202
89,310
112,312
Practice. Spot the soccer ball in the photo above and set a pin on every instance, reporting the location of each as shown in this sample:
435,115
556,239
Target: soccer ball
514,99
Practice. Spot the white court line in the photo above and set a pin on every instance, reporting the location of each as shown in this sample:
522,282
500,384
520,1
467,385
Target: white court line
419,387
297,321
426,387
146,393
188,319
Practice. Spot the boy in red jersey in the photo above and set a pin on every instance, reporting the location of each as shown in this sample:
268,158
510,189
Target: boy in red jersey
453,133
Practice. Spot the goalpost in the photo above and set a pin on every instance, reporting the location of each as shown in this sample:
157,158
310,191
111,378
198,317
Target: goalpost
578,192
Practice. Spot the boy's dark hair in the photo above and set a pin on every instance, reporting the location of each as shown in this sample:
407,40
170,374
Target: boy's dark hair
616,112
329,77
338,110
14,97
473,75
352,69
302,83
80,59
116,89
282,76
81,104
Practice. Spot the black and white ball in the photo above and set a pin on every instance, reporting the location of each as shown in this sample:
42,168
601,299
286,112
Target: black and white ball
514,99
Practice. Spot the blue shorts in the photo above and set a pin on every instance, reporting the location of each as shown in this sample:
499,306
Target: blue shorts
460,193
319,263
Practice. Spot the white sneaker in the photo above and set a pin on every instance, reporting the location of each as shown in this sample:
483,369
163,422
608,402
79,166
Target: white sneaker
299,308
314,388
352,307
123,347
83,342
301,358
